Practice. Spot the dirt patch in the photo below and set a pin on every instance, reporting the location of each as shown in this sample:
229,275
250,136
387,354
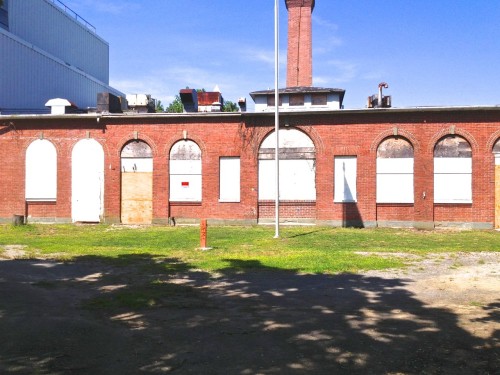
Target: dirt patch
439,316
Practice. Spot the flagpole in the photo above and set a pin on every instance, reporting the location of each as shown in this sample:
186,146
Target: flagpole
276,115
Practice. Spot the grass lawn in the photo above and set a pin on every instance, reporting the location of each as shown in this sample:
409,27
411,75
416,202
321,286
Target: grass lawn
301,249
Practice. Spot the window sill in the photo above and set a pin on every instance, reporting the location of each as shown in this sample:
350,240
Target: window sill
40,201
454,203
185,203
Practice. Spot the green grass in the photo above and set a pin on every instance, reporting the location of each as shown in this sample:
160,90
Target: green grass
300,249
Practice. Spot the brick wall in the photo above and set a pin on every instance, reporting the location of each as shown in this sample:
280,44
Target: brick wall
356,133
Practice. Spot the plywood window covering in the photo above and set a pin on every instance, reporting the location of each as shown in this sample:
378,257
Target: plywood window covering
136,183
452,170
395,171
345,179
319,99
229,179
271,101
296,100
297,166
41,171
185,172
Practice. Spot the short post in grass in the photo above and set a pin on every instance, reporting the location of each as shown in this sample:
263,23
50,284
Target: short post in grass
203,235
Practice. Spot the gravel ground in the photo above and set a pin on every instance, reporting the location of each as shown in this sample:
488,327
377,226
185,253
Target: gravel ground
441,315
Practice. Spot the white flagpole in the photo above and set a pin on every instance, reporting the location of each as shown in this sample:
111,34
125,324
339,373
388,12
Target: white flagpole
276,115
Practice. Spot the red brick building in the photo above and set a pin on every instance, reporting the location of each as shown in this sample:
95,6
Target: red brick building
40,187
419,167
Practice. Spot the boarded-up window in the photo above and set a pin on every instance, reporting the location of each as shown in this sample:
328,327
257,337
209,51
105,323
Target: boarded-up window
297,166
395,171
452,171
41,171
345,179
271,101
137,156
296,100
137,183
229,184
185,172
319,99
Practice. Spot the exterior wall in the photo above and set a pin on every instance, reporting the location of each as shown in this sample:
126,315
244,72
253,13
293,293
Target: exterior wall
46,54
261,105
45,25
338,133
26,89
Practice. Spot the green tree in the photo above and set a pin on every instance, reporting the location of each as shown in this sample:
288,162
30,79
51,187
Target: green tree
230,106
159,107
176,106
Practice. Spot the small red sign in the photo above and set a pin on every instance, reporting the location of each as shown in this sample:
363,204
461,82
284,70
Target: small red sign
185,184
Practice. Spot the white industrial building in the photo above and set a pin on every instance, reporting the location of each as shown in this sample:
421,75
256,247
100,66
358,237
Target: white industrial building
47,51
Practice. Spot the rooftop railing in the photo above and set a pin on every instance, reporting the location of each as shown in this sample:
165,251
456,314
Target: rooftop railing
74,15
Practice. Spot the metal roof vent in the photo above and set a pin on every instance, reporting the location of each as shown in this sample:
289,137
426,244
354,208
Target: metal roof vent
60,106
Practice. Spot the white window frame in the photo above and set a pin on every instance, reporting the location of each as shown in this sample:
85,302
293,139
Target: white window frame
41,172
229,179
345,175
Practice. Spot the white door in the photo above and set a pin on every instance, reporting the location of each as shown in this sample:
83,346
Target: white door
87,185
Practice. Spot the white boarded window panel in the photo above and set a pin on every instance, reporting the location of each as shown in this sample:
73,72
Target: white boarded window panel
345,179
185,166
185,188
229,179
185,172
452,180
395,180
297,179
130,165
41,171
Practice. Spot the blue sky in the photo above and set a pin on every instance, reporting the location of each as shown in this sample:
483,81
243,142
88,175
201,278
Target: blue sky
430,52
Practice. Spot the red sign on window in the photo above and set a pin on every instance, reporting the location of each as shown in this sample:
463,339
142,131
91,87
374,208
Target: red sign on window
185,184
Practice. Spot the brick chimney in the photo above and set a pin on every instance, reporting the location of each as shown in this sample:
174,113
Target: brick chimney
299,59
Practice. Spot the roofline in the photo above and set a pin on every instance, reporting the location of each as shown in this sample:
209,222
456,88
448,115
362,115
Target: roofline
336,112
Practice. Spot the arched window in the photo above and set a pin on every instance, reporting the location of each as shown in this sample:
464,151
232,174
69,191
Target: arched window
136,183
41,171
395,171
185,172
452,170
297,166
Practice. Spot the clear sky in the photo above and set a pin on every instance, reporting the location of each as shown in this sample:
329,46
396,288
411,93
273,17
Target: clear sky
430,52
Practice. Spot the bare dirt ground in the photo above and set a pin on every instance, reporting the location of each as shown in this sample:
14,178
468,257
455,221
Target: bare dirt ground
439,316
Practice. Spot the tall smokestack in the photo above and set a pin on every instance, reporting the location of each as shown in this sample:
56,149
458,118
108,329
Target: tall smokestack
299,58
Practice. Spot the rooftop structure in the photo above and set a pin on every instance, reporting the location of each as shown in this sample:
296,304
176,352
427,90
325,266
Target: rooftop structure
49,52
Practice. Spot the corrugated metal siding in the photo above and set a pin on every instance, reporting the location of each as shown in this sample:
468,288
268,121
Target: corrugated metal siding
46,26
29,77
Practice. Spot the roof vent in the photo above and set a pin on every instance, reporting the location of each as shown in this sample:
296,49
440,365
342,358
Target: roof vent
60,106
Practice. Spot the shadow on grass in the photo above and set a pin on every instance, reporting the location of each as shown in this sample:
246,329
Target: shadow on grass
143,314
